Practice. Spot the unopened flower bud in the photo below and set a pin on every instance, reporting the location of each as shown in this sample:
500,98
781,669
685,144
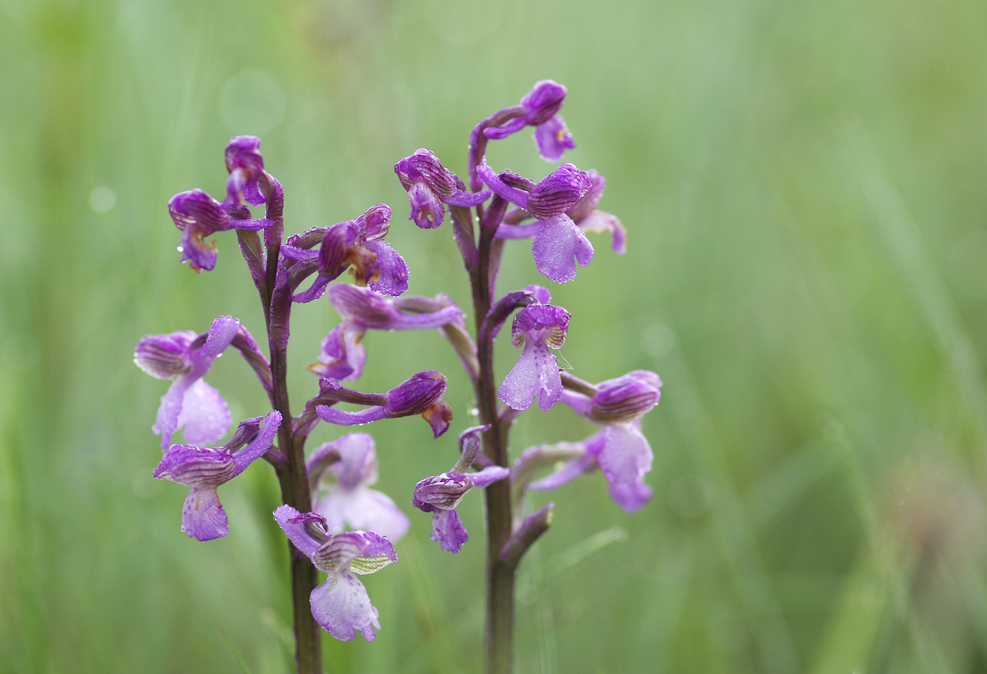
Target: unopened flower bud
416,395
543,101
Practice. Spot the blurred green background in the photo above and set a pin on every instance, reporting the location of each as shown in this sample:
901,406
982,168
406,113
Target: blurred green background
802,184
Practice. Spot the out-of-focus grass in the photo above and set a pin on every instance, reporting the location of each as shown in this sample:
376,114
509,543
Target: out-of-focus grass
803,189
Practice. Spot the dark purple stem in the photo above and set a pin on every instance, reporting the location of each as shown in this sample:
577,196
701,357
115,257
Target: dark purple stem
501,571
292,474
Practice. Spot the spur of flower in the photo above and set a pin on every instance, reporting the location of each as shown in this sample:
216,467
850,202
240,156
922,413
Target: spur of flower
345,469
206,468
441,494
340,605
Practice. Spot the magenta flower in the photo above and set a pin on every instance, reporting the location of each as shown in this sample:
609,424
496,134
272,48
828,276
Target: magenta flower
340,605
537,327
583,214
346,478
246,167
441,494
430,185
357,245
620,450
421,394
557,238
197,215
205,468
539,109
343,356
190,402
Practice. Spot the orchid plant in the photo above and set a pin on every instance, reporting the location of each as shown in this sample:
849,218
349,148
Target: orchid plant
334,522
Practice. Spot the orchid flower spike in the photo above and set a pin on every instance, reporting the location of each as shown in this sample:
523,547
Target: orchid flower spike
441,494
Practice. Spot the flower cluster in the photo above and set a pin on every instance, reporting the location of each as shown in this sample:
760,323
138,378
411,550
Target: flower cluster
350,528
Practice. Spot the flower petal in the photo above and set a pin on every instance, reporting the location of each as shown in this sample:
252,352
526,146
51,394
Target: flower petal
306,531
260,444
553,139
448,530
195,466
558,242
203,518
568,472
630,496
363,508
489,475
164,356
342,606
393,270
204,415
343,356
535,373
626,458
600,222
426,209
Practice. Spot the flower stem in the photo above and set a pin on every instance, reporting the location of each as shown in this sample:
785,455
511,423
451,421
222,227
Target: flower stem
292,475
498,641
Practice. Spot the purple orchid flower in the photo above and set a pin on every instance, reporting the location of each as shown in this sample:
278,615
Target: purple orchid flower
537,327
421,394
345,469
205,468
583,214
357,245
557,238
539,108
340,605
430,185
441,494
197,215
190,402
343,356
246,167
620,450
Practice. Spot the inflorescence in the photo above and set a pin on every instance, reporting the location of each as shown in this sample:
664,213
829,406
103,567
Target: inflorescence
350,528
